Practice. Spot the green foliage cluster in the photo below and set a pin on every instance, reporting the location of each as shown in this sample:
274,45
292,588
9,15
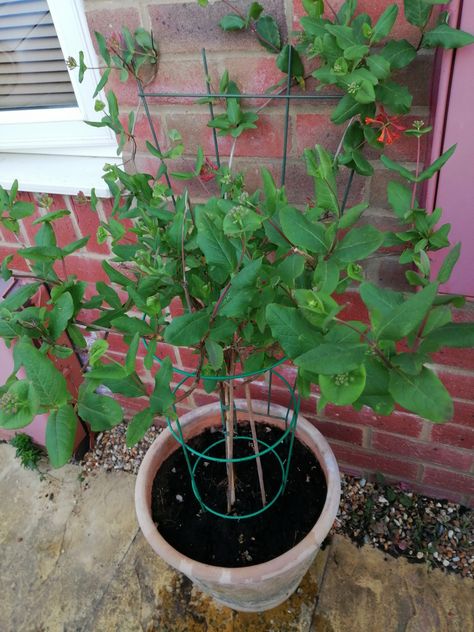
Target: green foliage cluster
257,276
26,451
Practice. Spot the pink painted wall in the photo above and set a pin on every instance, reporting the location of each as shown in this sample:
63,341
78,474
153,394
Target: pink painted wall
454,123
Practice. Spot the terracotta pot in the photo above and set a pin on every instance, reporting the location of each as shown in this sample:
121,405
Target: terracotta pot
251,588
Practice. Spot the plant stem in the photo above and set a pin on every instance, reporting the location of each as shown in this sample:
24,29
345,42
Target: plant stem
418,159
229,438
183,259
255,445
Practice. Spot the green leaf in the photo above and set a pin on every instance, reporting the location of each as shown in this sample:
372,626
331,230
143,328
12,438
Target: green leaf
302,232
213,243
97,350
394,166
352,215
445,36
345,109
5,272
232,22
290,269
254,12
343,389
131,325
114,275
417,12
60,434
326,276
100,411
248,276
48,382
19,405
291,329
436,166
188,329
102,82
138,427
407,316
132,352
82,66
41,253
268,33
398,53
162,398
423,394
399,197
375,392
75,245
384,24
51,217
448,264
329,358
22,209
296,65
397,98
19,296
358,244
215,354
379,66
457,335
60,315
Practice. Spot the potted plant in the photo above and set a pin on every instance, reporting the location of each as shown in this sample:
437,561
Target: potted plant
257,281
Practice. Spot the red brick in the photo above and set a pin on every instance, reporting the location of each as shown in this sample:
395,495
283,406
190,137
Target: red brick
432,492
460,385
399,422
338,431
312,129
181,76
452,434
423,452
264,141
86,269
464,413
185,28
370,461
444,479
460,358
109,22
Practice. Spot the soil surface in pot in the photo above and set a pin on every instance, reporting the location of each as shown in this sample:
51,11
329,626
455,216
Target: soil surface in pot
210,539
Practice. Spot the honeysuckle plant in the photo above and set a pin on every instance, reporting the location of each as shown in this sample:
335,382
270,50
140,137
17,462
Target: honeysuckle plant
258,277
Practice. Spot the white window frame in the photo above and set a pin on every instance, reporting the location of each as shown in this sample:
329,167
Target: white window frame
52,149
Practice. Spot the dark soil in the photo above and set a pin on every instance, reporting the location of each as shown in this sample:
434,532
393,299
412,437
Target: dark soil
210,539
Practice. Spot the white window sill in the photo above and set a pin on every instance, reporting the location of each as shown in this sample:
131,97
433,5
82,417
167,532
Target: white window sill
38,173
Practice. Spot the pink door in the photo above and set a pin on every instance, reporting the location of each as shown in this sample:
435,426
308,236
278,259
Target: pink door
454,191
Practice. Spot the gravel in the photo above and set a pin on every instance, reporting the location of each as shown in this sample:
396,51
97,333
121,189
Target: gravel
403,523
388,517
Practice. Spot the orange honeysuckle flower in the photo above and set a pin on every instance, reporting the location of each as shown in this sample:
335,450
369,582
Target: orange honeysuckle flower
390,127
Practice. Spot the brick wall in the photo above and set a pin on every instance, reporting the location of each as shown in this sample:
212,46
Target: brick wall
435,459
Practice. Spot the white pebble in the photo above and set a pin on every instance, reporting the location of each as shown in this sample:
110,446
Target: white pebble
445,562
420,555
179,498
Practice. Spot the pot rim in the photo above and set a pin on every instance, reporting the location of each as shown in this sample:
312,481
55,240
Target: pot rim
230,575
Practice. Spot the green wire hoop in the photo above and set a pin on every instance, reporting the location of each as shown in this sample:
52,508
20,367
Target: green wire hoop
264,447
217,378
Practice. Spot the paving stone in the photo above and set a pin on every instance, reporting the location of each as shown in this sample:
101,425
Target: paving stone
365,591
60,543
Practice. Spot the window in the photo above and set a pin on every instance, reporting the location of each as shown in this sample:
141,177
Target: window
44,141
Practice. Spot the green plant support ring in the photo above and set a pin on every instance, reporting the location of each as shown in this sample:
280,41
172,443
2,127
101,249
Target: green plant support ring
264,447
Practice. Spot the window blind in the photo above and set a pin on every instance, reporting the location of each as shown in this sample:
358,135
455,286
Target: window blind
33,72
